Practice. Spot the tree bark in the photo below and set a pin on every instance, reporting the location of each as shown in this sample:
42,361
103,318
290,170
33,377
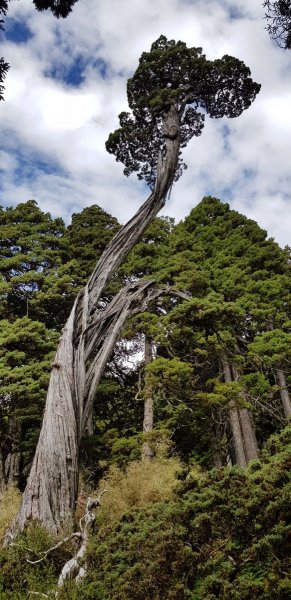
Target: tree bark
2,471
148,420
285,396
249,437
10,456
247,427
234,421
84,348
12,469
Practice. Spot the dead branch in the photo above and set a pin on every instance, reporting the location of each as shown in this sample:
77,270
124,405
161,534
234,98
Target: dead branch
76,534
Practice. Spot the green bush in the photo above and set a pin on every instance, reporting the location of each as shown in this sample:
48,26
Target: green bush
164,533
223,535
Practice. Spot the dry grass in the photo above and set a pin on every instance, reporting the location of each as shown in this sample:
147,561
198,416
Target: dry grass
143,482
9,504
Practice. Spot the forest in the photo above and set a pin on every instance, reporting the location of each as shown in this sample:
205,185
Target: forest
189,430
145,409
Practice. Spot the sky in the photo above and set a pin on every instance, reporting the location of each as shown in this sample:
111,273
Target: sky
67,85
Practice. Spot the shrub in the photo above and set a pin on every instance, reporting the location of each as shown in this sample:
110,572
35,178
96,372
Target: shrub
142,483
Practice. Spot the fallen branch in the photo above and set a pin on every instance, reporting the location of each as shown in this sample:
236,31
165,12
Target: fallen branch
76,567
77,534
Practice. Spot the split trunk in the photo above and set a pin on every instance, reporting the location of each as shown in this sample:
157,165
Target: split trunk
84,348
241,423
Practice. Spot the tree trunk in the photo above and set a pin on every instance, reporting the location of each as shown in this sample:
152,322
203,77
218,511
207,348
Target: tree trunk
234,421
217,461
2,471
12,469
247,427
148,420
249,437
84,348
10,456
285,396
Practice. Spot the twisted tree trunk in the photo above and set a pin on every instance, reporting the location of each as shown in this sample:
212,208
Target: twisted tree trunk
84,348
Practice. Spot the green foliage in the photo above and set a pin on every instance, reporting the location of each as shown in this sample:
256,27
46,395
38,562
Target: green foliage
32,245
142,483
217,534
279,21
221,533
18,578
43,266
172,74
224,534
271,348
26,353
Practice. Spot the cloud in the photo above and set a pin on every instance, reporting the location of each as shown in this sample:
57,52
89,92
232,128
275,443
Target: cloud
67,84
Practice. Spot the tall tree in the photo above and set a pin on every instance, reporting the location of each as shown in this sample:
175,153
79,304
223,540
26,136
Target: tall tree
40,279
240,282
32,246
26,352
169,94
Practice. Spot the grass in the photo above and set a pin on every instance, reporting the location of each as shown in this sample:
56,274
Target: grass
9,505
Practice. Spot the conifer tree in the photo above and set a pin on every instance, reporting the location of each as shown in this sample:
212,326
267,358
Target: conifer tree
169,94
240,282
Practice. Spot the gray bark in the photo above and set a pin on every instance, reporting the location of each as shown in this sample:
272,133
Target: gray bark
10,456
148,420
217,461
285,396
247,427
2,471
84,348
249,437
234,421
12,469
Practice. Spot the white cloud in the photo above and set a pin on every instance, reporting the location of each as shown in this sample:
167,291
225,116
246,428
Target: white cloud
43,119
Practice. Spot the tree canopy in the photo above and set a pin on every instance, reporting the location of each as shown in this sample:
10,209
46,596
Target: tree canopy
172,74
279,22
59,8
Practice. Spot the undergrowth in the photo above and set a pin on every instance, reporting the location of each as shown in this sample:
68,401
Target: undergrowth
9,504
165,534
142,483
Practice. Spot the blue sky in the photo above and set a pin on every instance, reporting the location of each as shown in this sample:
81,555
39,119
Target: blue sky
67,84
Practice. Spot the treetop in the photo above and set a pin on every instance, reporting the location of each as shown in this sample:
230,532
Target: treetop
172,74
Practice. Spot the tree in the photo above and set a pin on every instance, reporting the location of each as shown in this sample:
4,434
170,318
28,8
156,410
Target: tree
43,266
240,283
59,8
26,352
180,83
272,348
169,87
279,22
32,246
